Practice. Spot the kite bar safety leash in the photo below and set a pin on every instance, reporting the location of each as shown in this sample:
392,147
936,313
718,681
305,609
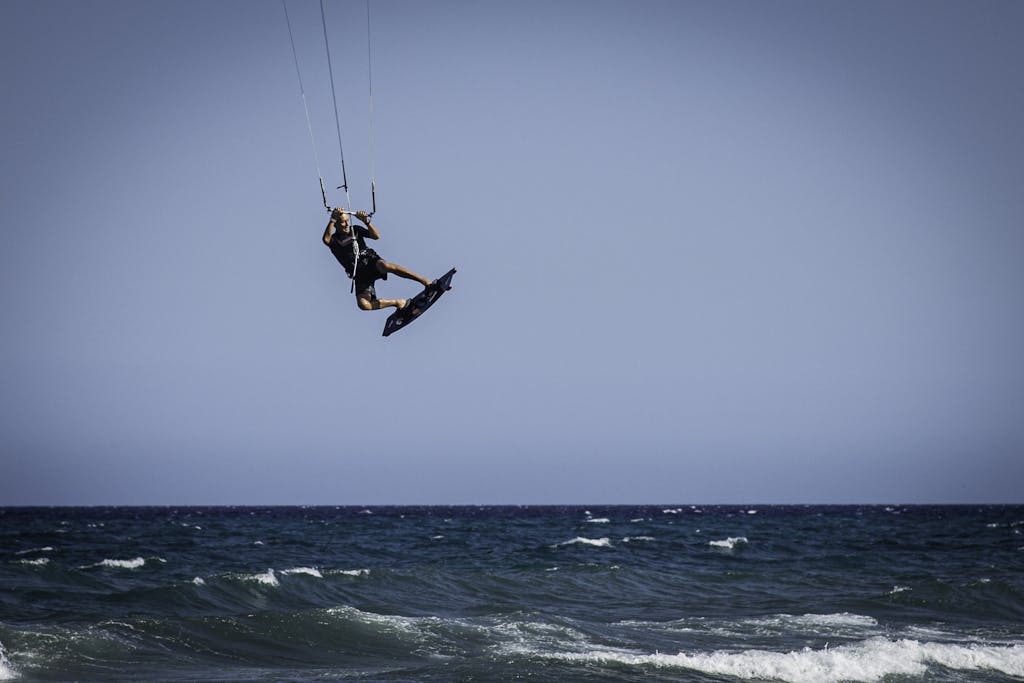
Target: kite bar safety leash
341,149
355,258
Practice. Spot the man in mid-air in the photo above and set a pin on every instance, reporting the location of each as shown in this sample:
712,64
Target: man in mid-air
362,264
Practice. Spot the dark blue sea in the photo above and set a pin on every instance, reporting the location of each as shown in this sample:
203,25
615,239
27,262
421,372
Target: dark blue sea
673,593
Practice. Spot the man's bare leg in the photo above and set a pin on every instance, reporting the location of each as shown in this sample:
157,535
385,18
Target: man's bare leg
404,272
377,304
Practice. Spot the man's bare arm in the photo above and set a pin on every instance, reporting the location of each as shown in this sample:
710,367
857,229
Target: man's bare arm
329,232
371,231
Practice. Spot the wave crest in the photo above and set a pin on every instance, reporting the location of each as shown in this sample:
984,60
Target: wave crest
580,540
134,563
869,661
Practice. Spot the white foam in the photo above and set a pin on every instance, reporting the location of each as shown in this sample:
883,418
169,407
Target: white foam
7,671
398,625
842,624
267,578
598,542
869,661
630,539
846,619
47,549
199,581
353,572
119,564
672,511
308,571
599,520
42,561
898,589
729,543
1007,660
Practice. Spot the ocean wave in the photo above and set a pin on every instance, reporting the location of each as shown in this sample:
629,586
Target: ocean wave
870,653
729,543
351,572
38,562
630,539
394,623
267,578
134,563
46,549
308,571
580,540
527,637
7,671
840,619
869,661
599,520
272,577
835,625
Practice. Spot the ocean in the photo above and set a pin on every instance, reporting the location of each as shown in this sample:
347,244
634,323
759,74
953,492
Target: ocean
627,593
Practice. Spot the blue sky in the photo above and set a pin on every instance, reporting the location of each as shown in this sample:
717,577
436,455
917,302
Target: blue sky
707,252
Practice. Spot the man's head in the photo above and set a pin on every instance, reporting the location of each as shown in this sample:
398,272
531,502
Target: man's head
340,215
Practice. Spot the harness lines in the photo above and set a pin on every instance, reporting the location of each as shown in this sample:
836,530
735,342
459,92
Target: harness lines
337,124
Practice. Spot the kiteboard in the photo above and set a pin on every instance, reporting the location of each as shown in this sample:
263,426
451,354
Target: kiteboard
419,303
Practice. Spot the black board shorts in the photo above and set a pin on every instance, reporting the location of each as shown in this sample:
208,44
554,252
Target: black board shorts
367,273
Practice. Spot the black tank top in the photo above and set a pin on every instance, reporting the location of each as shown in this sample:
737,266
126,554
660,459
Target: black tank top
345,253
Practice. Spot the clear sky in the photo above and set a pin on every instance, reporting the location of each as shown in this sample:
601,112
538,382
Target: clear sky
708,252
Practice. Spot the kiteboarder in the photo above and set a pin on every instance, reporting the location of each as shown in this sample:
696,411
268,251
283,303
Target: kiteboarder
361,263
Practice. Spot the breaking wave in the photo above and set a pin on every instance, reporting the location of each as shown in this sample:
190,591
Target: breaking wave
869,661
135,563
580,540
729,543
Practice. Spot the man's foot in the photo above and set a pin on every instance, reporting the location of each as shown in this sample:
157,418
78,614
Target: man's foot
402,303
